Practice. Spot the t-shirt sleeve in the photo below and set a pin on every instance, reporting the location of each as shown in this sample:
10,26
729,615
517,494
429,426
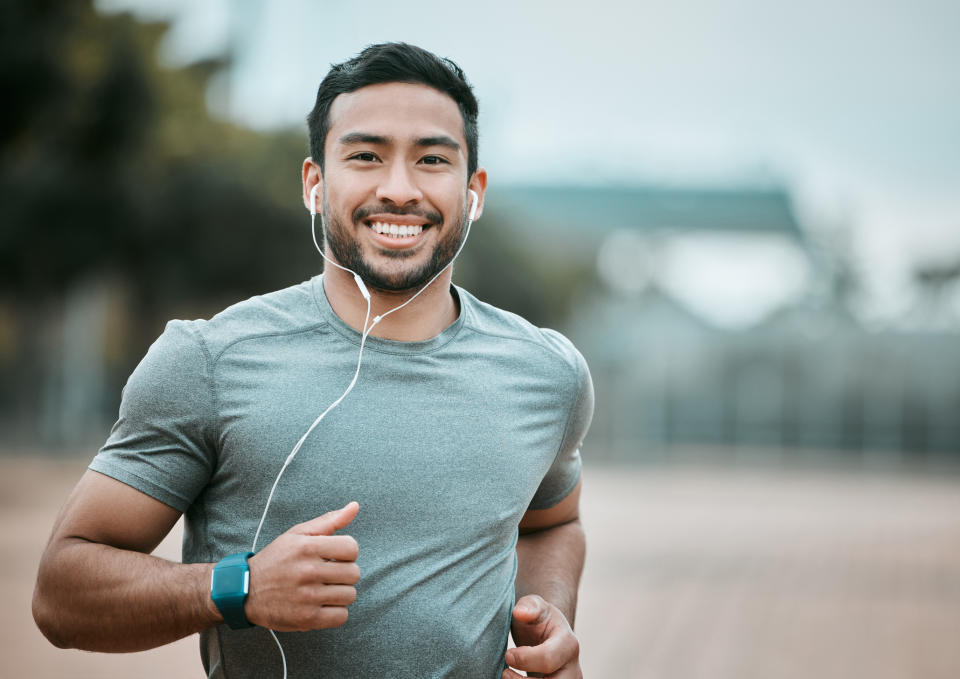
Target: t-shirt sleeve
564,473
164,440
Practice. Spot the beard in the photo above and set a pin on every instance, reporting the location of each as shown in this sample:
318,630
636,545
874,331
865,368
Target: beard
346,250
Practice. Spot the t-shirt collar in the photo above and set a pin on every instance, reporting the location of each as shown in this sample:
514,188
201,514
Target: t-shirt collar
386,345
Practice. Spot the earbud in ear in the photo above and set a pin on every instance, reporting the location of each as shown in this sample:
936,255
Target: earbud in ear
474,202
313,199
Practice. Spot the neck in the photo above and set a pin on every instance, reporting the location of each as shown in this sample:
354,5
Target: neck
425,317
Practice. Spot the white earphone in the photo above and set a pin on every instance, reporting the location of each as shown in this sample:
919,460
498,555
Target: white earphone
474,202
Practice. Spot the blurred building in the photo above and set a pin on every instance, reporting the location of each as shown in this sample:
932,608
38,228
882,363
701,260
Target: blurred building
714,320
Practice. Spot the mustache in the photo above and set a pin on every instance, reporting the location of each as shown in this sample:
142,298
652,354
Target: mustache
365,211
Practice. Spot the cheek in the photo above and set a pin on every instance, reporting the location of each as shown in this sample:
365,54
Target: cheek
340,202
447,194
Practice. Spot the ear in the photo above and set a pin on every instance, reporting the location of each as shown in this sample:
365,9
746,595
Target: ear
312,177
478,183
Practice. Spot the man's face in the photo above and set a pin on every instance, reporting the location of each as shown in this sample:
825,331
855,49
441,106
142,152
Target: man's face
395,183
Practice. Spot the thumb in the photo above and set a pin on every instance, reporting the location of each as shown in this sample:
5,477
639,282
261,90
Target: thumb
329,523
530,609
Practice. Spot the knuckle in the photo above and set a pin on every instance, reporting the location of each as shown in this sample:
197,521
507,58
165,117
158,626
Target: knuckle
306,572
303,616
298,574
304,546
310,596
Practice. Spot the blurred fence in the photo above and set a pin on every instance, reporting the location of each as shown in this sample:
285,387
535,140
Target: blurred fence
793,384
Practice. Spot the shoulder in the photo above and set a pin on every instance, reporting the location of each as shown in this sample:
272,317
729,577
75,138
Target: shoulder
283,312
524,336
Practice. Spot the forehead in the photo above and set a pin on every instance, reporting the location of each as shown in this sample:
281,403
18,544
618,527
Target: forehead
399,110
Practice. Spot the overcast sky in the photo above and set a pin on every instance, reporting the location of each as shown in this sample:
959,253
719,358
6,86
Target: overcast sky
854,106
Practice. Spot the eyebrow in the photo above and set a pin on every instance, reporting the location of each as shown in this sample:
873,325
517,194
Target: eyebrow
366,138
440,140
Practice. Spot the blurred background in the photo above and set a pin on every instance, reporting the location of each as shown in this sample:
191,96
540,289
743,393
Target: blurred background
745,214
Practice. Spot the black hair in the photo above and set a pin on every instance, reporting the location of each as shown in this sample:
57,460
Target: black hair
387,63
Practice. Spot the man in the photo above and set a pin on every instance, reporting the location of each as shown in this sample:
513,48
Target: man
451,471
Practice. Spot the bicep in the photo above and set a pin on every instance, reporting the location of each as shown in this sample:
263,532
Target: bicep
565,511
106,511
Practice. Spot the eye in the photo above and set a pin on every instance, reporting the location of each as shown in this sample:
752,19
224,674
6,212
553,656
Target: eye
364,156
433,160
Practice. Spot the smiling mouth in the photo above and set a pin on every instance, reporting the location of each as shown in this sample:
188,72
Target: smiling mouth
397,230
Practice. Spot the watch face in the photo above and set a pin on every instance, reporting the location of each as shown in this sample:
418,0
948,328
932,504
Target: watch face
231,580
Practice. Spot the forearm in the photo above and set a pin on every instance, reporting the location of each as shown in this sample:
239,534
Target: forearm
100,598
550,562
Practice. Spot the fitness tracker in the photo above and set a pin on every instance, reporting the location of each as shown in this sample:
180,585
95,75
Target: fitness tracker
229,586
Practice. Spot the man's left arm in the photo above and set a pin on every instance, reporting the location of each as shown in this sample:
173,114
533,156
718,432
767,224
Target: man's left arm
550,554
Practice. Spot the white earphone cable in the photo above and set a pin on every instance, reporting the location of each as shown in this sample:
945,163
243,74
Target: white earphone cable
363,339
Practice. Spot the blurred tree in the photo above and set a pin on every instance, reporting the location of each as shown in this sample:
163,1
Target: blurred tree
111,163
112,169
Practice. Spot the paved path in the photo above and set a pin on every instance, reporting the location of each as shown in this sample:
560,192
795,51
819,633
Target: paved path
692,573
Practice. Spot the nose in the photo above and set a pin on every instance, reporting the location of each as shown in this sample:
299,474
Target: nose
399,187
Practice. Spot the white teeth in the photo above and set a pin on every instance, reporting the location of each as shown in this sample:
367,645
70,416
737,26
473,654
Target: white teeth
397,230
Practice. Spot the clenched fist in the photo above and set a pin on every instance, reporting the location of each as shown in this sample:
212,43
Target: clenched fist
305,578
546,645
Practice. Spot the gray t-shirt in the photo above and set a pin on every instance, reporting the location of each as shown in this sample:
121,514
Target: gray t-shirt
445,444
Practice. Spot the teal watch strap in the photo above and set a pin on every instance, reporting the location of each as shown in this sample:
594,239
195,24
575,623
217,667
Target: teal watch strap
229,586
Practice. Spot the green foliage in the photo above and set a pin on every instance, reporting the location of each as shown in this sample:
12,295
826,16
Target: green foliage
109,162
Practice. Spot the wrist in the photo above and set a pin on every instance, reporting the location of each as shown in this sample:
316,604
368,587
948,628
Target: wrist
212,614
229,587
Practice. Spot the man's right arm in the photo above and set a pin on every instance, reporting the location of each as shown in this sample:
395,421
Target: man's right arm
99,589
